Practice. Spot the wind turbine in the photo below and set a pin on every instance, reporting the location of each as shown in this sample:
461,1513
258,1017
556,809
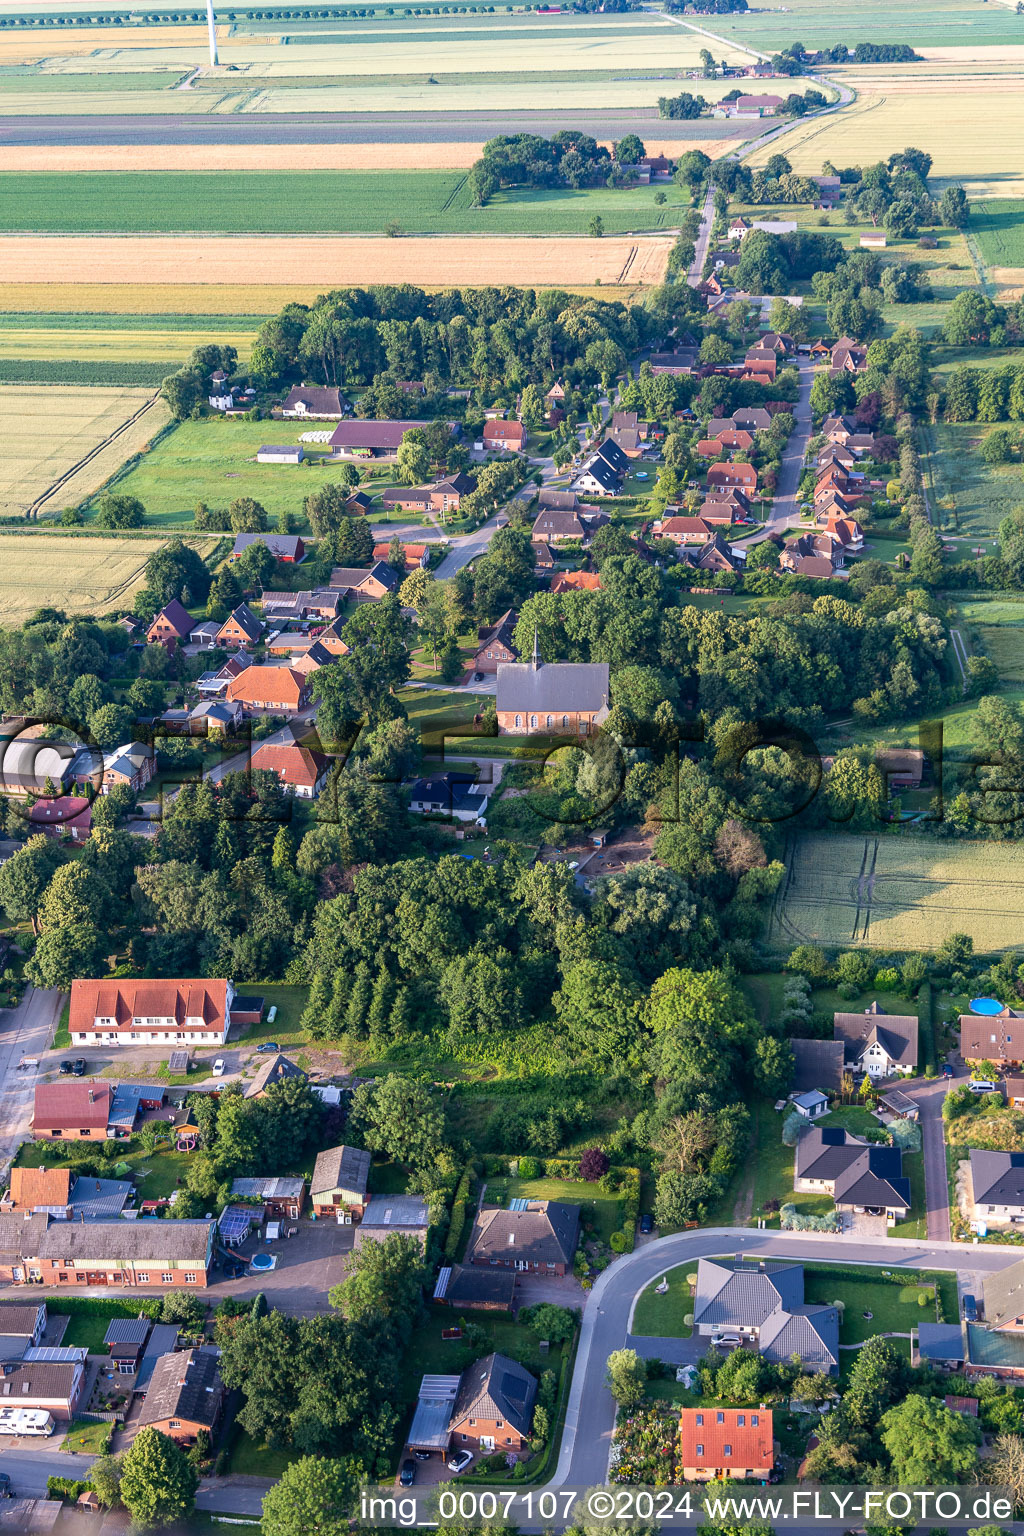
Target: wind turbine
213,32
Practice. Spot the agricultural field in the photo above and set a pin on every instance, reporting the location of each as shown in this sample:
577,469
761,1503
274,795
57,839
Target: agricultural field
998,226
970,497
343,202
111,345
331,262
80,575
931,25
898,893
968,128
37,456
999,627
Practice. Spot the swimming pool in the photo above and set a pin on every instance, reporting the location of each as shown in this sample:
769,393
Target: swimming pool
985,1005
262,1261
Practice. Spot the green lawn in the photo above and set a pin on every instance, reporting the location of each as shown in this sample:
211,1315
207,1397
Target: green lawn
62,1037
969,496
247,1458
87,1437
602,1212
286,1029
86,1332
773,1165
894,1308
915,1225
314,202
429,1354
663,1317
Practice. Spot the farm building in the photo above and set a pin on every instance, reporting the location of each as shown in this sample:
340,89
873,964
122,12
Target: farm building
339,1183
280,453
317,402
374,439
286,547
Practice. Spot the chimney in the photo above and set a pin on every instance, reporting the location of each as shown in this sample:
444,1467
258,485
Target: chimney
92,1096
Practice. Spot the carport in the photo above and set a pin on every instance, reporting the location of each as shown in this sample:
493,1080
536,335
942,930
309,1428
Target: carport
430,1423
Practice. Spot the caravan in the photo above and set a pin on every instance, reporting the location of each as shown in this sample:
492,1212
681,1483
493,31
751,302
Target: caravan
26,1421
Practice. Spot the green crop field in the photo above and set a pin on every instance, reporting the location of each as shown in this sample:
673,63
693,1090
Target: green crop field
999,627
934,24
214,461
898,893
35,81
998,226
343,202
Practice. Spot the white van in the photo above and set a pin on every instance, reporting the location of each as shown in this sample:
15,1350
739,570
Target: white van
26,1421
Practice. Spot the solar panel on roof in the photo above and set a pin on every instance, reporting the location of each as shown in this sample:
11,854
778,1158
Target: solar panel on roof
833,1138
518,1204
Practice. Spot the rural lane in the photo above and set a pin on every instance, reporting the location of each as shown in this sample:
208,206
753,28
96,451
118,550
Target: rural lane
26,1031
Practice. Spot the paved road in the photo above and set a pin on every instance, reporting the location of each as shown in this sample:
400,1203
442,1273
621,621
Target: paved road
470,545
785,508
590,1416
700,245
339,127
24,1031
930,1096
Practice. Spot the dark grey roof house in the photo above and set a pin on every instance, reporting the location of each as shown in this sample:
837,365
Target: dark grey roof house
857,1174
996,1184
1004,1298
496,1389
877,1042
541,1235
763,1304
274,1070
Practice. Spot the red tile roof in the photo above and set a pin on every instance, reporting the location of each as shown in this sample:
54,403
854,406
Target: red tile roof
268,687
577,581
71,1106
127,999
729,1445
293,764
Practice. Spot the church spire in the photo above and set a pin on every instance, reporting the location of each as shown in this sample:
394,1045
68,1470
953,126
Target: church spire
535,660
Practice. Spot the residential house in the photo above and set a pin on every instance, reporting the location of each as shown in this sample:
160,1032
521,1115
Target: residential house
417,556
241,627
449,794
995,1187
193,1011
18,1232
282,1199
263,690
724,506
280,453
1013,1087
740,476
100,1199
131,1099
480,1290
860,1176
719,555
129,767
997,1037
125,1339
543,559
22,1325
171,626
877,1042
1003,1293
185,1395
733,1443
739,227
302,770
555,395
762,361
863,444
848,356
339,1183
330,639
50,1386
755,418
444,495
838,429
286,547
494,1407
555,525
385,1214
781,343
576,581
496,643
275,1069
553,500
845,535
38,1189
761,1306
684,530
315,401
681,360
903,767
803,556
358,504
214,718
66,816
121,1254
562,697
374,439
365,586
71,1111
817,1064
810,1105
301,606
541,1238
834,453
212,685
602,472
508,436
735,439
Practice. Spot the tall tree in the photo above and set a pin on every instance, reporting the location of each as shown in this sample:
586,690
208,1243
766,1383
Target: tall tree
158,1482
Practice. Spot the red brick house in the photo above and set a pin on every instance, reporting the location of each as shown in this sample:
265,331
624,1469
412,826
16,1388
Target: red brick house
443,495
71,1111
300,769
66,816
576,581
185,1395
733,1443
240,628
494,1407
495,644
50,1386
153,1255
270,690
541,1239
171,626
684,530
417,556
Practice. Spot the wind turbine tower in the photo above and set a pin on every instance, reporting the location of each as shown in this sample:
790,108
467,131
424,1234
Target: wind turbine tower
211,24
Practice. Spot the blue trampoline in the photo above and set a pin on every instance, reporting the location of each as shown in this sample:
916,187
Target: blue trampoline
985,1005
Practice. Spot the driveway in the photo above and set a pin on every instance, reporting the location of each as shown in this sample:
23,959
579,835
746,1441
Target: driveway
930,1094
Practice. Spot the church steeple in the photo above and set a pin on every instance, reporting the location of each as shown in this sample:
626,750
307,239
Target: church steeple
535,661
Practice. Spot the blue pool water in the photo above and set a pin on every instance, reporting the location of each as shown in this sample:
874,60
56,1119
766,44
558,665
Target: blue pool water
986,1005
261,1261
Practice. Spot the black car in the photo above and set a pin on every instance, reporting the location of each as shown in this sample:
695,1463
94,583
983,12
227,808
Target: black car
79,1067
6,1491
407,1476
66,1068
646,1222
970,1309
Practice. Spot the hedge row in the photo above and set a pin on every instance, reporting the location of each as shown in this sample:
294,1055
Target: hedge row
98,1306
458,1222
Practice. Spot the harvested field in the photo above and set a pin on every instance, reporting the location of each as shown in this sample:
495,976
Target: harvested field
229,299
971,132
1008,280
26,47
116,345
285,157
80,575
47,431
898,893
333,261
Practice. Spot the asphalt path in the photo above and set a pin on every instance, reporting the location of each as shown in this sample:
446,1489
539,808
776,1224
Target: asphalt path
339,127
27,1031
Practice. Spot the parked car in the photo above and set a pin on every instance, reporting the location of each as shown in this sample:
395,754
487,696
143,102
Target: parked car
970,1309
422,1455
267,1047
218,1067
407,1476
79,1067
66,1068
646,1222
6,1491
947,1069
460,1461
982,1085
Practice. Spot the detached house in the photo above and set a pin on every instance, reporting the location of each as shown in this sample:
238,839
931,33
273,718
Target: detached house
275,1069
741,476
509,436
286,547
541,1238
861,1177
302,770
877,1042
995,1037
365,586
496,643
995,1185
240,628
761,1306
557,525
262,690
734,1443
185,1395
494,1407
171,626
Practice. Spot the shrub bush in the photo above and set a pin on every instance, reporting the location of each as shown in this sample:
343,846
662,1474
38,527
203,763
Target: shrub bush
617,1242
530,1168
